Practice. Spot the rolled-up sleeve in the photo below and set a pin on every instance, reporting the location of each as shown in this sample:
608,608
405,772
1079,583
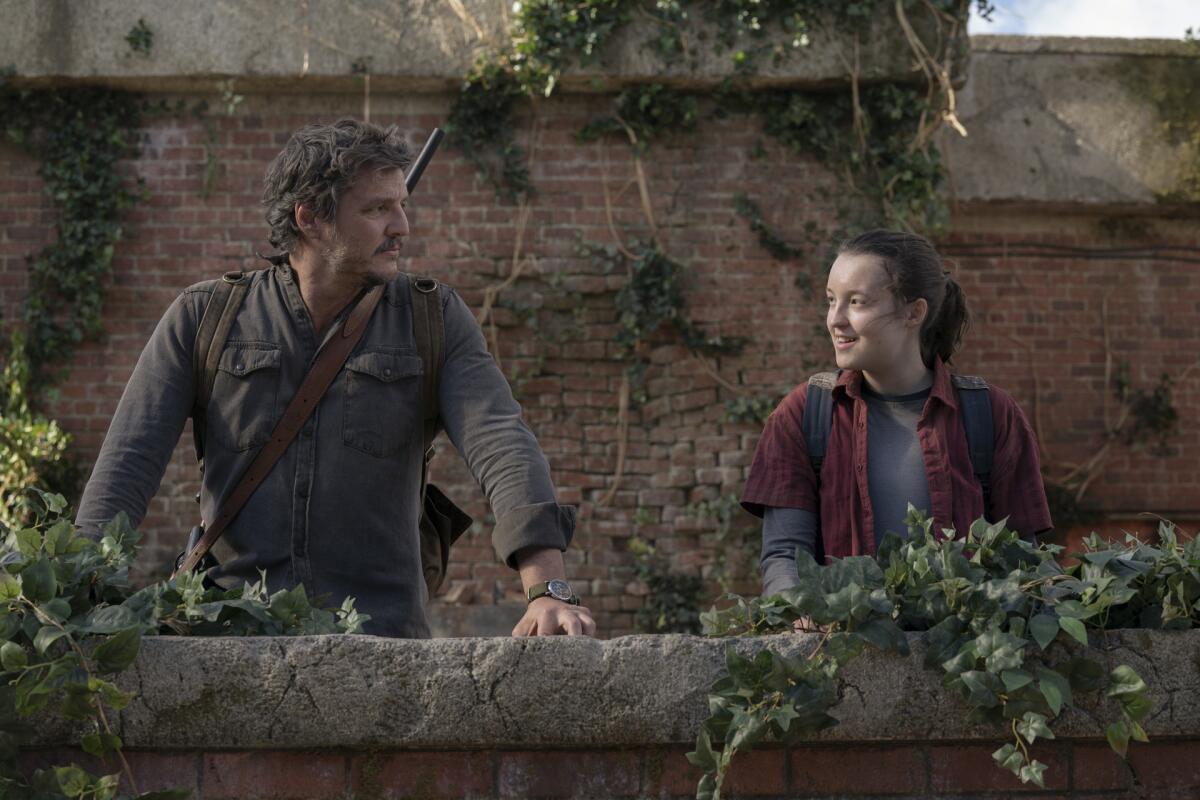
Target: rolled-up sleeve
148,421
483,421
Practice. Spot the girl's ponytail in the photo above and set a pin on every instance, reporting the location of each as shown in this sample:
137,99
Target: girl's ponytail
943,331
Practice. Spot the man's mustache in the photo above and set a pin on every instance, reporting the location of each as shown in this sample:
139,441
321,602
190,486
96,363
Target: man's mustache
388,244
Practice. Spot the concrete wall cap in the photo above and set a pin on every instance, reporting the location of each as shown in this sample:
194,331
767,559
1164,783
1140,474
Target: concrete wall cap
360,691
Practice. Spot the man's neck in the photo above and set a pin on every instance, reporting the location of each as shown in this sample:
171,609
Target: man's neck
325,292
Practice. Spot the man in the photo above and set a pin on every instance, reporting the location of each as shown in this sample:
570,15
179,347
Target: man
339,511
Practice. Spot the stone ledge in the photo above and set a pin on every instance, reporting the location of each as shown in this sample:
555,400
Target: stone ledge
368,692
409,46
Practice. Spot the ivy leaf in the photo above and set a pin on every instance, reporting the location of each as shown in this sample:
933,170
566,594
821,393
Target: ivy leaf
981,695
784,715
1015,678
39,582
1118,737
884,634
10,587
703,756
29,541
46,636
1075,628
1136,707
12,657
1123,681
1044,628
117,652
58,608
71,780
1086,675
749,729
1033,726
100,744
1033,772
1137,733
1010,758
1055,688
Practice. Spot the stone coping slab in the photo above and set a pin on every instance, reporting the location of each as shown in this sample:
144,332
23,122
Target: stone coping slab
406,45
369,692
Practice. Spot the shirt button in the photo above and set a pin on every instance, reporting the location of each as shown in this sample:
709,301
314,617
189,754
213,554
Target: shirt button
308,432
387,373
239,368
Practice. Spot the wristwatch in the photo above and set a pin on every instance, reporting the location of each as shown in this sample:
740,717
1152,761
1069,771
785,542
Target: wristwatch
557,588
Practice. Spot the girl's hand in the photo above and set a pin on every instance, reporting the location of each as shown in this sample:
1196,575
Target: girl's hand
806,625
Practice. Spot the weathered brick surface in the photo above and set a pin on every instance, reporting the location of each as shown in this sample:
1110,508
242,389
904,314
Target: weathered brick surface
1037,329
1079,770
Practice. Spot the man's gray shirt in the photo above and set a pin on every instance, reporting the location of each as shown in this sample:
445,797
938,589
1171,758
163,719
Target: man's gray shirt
339,511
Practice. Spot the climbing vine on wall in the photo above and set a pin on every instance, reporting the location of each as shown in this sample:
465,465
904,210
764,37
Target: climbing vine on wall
79,136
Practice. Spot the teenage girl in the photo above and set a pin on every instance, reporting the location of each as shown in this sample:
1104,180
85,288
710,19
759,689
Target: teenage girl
896,434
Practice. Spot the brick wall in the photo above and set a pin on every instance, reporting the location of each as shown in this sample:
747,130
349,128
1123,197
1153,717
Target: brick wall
1037,330
1077,769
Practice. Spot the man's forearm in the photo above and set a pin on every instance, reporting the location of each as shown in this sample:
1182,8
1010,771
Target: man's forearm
538,564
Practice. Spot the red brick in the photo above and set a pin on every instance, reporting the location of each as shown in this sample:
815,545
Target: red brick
1167,766
562,773
970,768
274,775
858,770
424,775
1096,766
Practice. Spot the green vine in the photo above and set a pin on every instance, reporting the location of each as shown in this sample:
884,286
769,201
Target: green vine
140,39
650,302
80,136
70,622
672,600
1005,625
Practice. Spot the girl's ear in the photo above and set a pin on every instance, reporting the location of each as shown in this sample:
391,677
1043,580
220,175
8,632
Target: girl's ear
918,310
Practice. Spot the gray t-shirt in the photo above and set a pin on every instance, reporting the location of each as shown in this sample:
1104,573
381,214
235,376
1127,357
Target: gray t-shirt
896,477
339,511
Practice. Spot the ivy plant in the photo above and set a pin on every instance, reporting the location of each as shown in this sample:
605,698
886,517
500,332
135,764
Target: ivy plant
70,622
80,136
1006,627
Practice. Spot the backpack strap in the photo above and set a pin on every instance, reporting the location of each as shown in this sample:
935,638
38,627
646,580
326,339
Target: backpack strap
219,314
818,418
975,402
429,331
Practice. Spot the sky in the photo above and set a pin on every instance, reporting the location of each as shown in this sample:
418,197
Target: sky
1166,19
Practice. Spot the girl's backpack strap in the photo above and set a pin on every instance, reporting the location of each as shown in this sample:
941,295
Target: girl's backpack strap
975,403
818,418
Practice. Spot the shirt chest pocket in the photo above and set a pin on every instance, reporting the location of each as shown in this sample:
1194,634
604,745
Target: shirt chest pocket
245,399
383,408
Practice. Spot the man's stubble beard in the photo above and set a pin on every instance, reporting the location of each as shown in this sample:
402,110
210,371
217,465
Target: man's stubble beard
340,260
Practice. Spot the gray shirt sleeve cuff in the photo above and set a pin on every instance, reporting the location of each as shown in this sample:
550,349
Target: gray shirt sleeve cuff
778,574
534,525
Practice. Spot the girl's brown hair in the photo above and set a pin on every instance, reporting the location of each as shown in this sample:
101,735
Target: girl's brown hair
916,271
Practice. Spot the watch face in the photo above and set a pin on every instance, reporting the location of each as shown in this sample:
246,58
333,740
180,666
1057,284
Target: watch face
559,590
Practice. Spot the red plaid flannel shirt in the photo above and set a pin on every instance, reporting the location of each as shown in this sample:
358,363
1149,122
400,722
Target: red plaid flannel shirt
782,476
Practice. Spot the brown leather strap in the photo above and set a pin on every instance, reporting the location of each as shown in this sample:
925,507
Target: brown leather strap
325,368
430,337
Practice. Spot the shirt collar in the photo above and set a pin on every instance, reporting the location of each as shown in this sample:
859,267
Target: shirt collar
850,381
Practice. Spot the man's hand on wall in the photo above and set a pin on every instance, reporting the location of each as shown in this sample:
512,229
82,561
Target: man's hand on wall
549,617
